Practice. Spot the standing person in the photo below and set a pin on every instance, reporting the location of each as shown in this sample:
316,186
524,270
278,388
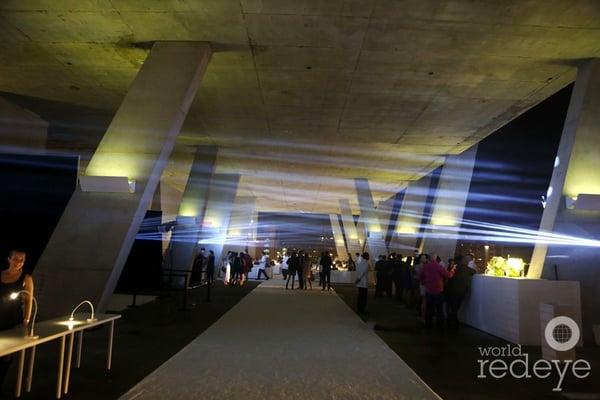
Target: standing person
362,282
405,277
388,271
292,266
379,276
284,266
197,267
262,269
397,267
421,300
210,267
326,264
457,288
246,265
432,276
351,264
300,269
307,272
210,273
471,262
13,280
236,269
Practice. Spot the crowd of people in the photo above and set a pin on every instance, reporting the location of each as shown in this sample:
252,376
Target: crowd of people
300,264
434,288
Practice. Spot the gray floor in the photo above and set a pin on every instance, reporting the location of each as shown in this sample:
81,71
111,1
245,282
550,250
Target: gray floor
278,344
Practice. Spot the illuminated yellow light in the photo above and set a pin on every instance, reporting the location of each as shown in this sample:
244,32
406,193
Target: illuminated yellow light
511,267
353,236
234,232
70,324
375,229
443,220
516,264
211,223
339,242
407,229
188,210
116,164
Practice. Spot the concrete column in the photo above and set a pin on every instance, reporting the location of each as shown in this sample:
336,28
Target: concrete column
369,223
384,213
242,226
221,198
573,206
192,208
449,205
172,185
86,253
410,216
577,165
353,242
338,236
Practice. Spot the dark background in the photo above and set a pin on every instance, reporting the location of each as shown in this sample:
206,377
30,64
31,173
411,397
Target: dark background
35,190
513,169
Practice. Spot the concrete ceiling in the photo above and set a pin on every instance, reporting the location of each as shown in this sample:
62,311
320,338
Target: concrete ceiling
304,95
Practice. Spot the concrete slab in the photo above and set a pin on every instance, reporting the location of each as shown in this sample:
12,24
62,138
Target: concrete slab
278,344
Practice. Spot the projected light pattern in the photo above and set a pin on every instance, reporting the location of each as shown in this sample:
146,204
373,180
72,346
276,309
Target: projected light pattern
471,230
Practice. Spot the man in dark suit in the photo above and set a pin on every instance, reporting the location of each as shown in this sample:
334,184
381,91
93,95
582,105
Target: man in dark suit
326,264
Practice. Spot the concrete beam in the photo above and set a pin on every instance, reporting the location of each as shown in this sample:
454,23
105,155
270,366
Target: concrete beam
405,236
369,223
243,226
449,204
215,226
176,172
88,249
192,208
353,242
338,237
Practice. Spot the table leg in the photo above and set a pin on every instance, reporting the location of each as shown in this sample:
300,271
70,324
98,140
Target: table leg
30,370
61,361
79,348
68,367
110,345
20,373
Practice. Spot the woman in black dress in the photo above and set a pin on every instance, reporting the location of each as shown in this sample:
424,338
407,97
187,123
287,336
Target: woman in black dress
293,265
13,280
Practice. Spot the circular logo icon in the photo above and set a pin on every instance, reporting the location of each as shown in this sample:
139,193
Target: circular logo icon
562,333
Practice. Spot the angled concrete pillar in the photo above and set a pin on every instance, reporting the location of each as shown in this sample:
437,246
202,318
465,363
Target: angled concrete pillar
408,225
242,226
221,198
172,185
384,213
369,224
353,242
90,244
192,208
338,236
573,203
449,205
576,172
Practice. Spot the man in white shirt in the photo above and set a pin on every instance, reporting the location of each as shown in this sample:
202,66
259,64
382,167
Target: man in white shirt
471,264
362,282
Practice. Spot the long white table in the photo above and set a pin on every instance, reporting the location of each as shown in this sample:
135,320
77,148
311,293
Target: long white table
13,341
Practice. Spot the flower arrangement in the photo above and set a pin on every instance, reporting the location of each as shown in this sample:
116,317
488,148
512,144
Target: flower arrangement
499,266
